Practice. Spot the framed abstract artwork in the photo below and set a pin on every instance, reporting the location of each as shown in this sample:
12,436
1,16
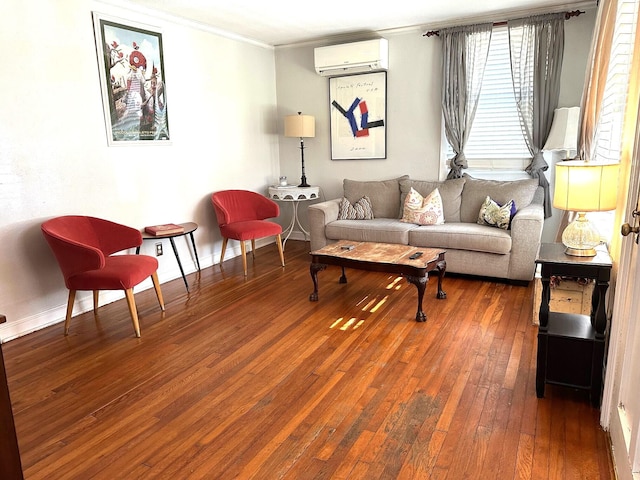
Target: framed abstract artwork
132,81
358,106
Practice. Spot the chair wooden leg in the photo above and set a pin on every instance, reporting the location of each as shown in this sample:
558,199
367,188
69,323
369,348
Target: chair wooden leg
96,296
279,242
67,321
224,249
243,247
132,310
156,285
253,248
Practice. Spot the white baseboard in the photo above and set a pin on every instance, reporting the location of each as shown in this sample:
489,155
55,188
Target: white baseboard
84,300
24,326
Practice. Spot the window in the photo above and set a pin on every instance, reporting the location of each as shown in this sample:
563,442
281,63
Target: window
496,143
607,144
608,138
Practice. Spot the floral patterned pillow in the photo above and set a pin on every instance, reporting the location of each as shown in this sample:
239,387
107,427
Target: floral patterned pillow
496,215
361,210
423,210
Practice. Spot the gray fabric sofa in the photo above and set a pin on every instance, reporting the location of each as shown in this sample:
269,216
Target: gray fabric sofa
472,249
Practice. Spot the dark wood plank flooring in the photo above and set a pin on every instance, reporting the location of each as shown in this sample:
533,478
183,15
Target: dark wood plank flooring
245,378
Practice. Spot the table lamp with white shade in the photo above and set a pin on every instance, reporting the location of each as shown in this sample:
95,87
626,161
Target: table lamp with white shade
563,135
301,126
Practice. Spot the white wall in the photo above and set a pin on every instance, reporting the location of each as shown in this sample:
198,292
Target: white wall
54,159
412,120
226,101
413,123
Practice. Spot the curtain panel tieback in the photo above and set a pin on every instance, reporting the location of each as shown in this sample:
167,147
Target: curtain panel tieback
536,169
457,164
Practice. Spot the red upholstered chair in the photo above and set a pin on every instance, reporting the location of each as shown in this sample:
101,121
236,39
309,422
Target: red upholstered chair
84,246
242,216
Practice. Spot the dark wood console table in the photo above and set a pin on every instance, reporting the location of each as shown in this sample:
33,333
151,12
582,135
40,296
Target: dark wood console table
10,465
571,347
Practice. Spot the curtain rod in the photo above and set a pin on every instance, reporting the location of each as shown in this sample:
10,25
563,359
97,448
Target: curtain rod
567,16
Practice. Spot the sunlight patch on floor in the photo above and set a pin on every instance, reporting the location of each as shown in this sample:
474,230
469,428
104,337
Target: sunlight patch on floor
379,304
396,284
370,304
351,324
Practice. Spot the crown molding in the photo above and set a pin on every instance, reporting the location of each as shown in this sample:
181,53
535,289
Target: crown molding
147,12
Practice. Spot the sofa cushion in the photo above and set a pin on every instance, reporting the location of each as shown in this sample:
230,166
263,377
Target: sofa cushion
423,210
450,192
462,236
361,210
384,230
496,215
476,190
384,195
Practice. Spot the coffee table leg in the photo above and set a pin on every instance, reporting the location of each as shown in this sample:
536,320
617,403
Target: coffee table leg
343,278
421,284
441,267
314,268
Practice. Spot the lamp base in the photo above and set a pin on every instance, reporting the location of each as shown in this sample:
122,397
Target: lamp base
581,237
578,252
303,178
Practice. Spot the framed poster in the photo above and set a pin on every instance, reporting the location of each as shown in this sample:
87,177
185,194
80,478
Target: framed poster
132,81
358,106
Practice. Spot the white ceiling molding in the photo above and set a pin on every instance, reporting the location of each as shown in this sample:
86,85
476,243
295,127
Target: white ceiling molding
160,15
278,24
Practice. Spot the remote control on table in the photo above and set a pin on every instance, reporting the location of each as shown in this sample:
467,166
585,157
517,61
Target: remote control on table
347,247
415,255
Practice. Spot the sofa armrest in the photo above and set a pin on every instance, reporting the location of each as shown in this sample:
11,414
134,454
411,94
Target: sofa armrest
320,214
526,232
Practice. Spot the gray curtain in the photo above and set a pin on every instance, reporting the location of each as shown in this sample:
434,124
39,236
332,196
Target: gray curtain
537,47
464,56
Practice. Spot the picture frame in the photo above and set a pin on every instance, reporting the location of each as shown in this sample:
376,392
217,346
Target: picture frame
132,82
358,110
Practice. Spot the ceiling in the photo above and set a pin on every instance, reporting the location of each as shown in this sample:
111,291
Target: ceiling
283,22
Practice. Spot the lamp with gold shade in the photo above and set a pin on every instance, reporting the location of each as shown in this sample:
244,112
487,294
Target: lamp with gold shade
301,126
584,187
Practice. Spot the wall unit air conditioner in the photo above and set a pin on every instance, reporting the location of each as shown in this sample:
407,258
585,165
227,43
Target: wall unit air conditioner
355,57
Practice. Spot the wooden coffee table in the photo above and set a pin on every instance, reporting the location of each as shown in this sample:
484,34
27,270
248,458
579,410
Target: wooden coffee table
382,257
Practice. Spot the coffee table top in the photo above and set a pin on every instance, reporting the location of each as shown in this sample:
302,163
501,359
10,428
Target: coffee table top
374,252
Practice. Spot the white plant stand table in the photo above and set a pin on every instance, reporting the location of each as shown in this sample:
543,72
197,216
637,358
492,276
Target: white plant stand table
295,195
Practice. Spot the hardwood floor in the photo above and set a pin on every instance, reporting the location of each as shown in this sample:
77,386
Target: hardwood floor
248,379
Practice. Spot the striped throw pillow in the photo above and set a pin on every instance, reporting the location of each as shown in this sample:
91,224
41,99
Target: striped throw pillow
361,210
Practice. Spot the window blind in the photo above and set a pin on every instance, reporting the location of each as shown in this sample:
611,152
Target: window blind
496,141
609,129
608,137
